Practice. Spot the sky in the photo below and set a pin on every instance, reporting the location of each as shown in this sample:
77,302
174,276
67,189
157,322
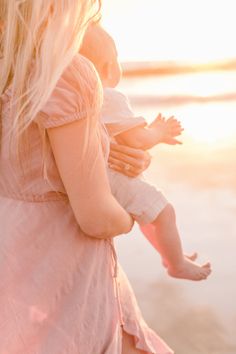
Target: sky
172,30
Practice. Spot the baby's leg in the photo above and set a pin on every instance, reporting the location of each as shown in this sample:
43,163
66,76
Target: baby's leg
144,201
149,232
164,236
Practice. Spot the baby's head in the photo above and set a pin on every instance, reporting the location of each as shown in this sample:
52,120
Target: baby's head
100,49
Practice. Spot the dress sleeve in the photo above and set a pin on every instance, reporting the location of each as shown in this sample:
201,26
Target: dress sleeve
77,95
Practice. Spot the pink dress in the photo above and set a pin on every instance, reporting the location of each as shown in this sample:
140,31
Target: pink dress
61,292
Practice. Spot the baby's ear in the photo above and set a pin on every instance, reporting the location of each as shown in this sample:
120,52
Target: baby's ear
106,71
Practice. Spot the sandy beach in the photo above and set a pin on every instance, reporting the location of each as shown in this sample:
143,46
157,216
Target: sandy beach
199,178
192,317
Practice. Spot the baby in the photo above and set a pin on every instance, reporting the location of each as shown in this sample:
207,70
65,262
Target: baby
148,206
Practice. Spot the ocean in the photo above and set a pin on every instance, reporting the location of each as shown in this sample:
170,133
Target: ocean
199,179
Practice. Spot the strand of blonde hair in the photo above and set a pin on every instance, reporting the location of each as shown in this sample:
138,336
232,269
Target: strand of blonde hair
39,39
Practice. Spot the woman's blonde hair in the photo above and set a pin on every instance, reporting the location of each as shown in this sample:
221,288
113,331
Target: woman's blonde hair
39,37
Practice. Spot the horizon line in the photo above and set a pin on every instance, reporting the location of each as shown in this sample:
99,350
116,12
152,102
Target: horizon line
145,68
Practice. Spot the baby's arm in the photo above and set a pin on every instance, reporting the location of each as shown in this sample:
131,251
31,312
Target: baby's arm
159,131
138,138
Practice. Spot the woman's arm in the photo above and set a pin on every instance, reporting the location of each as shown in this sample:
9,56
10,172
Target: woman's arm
86,183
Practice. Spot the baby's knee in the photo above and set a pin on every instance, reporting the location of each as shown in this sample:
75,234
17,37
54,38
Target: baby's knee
169,210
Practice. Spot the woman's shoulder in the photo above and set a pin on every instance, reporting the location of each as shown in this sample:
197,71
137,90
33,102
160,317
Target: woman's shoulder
76,90
79,76
79,61
80,66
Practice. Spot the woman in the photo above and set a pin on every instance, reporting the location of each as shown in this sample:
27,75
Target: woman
62,291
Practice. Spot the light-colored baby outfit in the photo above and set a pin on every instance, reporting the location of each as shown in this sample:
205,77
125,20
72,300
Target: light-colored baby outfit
137,196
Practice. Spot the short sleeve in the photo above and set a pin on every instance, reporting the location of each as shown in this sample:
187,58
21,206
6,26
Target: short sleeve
77,95
117,113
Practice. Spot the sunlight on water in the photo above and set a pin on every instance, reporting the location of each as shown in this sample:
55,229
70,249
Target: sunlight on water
199,179
198,84
210,123
204,103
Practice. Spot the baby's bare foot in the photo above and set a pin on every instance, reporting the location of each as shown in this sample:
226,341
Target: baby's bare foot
192,257
190,270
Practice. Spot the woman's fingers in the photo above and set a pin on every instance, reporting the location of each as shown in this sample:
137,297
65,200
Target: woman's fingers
136,157
136,153
128,161
126,170
123,161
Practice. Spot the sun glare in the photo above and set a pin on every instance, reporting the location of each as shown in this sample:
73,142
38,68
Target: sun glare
209,123
209,135
187,31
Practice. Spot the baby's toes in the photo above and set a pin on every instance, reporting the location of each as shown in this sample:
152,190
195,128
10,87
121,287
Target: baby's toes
206,265
201,276
193,256
205,272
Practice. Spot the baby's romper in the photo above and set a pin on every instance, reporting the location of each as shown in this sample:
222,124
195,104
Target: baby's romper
57,285
137,196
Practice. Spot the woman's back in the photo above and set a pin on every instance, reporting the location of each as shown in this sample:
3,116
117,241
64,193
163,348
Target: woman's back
58,286
42,245
33,178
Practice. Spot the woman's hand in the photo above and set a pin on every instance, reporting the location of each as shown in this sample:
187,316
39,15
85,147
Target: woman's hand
129,161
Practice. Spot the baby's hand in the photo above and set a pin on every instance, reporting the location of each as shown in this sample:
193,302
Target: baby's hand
167,129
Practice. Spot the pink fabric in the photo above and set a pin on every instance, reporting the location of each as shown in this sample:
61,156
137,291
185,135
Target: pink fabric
58,287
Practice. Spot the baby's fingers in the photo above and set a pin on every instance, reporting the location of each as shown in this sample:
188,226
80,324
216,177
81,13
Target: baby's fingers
174,124
176,131
158,119
172,141
171,119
